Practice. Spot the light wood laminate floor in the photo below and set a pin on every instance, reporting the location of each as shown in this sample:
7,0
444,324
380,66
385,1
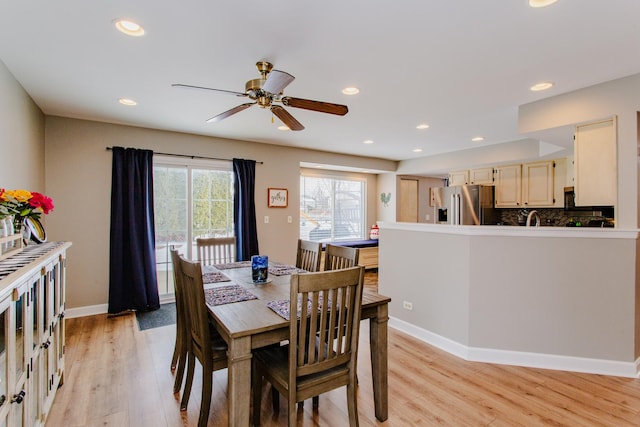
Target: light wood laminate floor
117,375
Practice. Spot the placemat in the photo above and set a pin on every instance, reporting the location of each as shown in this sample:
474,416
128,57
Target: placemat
282,309
281,270
227,295
237,264
214,277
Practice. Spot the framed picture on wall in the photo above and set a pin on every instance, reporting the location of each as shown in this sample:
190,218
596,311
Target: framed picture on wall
277,197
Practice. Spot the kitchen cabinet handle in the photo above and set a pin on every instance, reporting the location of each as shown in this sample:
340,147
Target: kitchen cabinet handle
18,398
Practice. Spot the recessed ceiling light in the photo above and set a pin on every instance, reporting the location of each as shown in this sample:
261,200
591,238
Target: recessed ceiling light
283,127
417,150
127,102
477,139
541,86
368,141
350,90
541,3
129,27
422,126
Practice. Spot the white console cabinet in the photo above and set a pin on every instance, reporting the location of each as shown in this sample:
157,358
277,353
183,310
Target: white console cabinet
32,302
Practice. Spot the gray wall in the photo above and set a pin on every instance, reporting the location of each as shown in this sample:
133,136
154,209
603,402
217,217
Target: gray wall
67,160
21,137
507,289
78,177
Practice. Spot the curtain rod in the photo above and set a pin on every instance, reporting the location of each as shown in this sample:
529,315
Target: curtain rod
191,157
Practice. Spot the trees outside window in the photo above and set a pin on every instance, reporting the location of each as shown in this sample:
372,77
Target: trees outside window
192,198
331,209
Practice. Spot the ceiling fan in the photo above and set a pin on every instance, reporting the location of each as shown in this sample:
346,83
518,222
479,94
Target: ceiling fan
266,91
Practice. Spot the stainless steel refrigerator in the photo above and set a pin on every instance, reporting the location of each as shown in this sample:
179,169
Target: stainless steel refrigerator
465,205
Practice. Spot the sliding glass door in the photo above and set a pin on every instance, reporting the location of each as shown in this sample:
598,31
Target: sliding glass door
192,198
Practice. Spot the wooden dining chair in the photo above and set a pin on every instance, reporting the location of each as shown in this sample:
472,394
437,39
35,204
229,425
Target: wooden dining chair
202,345
337,257
308,255
323,341
216,250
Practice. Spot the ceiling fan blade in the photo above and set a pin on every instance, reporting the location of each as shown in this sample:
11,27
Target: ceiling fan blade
276,81
286,118
209,88
230,112
323,107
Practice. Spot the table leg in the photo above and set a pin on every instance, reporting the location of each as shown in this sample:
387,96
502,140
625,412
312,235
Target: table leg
378,341
239,381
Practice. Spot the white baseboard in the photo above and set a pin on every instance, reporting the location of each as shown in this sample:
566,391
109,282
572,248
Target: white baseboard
89,310
92,310
518,358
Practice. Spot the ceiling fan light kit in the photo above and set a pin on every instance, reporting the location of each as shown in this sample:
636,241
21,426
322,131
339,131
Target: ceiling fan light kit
266,91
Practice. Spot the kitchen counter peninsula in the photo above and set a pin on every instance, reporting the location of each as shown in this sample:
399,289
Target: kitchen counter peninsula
551,297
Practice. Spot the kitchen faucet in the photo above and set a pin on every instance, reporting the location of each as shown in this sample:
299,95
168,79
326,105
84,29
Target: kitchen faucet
533,214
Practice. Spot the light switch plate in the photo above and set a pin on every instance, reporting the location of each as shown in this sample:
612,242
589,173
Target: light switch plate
266,219
289,219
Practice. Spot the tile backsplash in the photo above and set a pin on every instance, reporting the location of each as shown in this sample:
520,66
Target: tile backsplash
555,217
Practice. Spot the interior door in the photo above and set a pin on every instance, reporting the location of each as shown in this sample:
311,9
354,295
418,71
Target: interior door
408,200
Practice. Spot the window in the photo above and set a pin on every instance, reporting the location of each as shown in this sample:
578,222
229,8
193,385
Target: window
331,209
192,198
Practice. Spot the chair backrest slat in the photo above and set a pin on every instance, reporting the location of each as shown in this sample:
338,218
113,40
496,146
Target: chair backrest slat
216,250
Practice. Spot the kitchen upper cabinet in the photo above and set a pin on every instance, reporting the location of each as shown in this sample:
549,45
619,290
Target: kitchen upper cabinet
508,182
595,164
569,181
459,178
481,176
538,184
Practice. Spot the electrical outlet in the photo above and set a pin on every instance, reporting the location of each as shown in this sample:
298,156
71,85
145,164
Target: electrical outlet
407,305
266,219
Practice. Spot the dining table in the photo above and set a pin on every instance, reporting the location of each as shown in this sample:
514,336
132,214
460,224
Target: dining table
240,313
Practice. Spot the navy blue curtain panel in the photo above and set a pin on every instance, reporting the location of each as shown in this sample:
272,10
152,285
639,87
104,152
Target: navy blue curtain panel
244,209
132,263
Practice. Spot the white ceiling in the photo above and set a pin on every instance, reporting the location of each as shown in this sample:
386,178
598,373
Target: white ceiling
462,66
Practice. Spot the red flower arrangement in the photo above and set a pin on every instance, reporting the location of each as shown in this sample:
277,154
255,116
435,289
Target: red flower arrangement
23,203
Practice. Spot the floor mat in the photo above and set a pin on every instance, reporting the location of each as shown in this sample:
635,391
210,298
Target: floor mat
164,316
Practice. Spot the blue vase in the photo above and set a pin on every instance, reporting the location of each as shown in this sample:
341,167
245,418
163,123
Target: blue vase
259,268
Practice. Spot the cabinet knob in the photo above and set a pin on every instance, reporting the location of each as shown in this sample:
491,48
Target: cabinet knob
18,398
